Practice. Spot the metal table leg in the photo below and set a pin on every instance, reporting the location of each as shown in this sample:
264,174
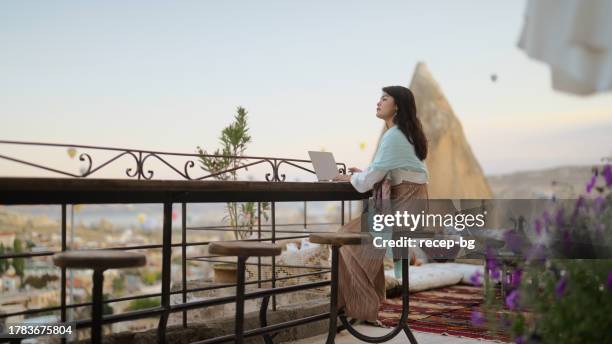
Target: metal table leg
402,325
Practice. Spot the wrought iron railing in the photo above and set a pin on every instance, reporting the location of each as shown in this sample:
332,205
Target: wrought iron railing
80,190
139,158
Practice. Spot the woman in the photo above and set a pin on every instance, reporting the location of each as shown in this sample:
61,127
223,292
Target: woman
399,160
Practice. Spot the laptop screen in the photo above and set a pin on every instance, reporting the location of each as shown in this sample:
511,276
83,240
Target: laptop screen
324,165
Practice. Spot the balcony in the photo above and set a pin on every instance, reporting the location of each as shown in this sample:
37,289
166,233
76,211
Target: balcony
176,299
286,298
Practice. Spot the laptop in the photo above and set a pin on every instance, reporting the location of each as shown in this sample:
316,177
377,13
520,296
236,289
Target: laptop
324,165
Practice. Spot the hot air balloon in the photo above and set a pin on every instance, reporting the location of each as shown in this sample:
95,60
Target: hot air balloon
72,152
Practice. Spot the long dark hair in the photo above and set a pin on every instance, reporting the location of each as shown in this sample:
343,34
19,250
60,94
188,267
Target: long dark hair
407,120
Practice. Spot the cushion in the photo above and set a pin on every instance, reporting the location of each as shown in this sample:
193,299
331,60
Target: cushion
426,277
466,270
307,244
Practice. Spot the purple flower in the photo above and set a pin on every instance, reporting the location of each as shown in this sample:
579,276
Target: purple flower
478,318
599,203
559,220
512,300
560,287
591,183
580,202
515,278
495,273
519,340
610,280
513,241
538,226
607,173
476,278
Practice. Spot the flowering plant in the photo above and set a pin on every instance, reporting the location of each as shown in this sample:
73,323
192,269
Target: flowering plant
561,293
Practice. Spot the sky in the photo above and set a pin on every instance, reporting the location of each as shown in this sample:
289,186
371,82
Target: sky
168,76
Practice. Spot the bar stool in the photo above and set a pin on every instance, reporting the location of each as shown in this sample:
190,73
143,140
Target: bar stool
243,250
336,240
98,261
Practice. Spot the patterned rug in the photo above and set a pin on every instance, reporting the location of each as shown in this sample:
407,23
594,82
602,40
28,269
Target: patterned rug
445,310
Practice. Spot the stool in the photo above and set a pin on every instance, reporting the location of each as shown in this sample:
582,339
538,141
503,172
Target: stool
336,240
98,261
243,250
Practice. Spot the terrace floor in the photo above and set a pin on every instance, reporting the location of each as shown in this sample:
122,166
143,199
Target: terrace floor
423,338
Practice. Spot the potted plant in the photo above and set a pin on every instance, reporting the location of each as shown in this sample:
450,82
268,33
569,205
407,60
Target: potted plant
224,164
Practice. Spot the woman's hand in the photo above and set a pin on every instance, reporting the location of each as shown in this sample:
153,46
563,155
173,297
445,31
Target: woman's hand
354,169
342,178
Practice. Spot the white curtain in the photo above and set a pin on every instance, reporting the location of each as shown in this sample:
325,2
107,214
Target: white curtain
574,37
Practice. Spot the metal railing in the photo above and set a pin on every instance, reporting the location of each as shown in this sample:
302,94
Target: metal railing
80,190
140,157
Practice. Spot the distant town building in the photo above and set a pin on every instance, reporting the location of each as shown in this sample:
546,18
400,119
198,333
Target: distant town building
9,283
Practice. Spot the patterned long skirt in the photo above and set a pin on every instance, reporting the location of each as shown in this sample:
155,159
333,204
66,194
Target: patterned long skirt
361,272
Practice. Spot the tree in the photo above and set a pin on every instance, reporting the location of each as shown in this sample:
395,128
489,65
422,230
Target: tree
18,263
30,244
225,164
139,304
4,263
40,282
118,284
150,277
